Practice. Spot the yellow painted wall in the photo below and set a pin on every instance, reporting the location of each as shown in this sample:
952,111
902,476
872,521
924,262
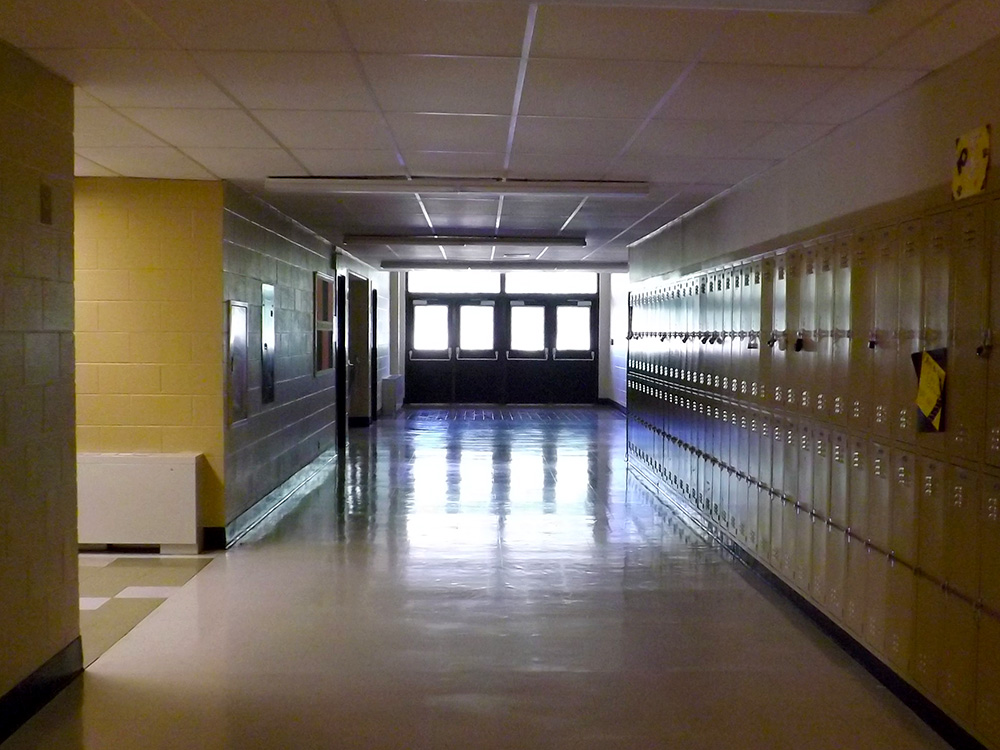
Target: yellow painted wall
39,601
150,322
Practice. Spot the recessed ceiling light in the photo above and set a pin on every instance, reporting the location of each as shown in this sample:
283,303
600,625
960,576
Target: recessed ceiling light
517,255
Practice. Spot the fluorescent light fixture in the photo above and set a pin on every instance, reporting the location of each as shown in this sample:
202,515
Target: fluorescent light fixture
497,265
778,6
462,240
457,186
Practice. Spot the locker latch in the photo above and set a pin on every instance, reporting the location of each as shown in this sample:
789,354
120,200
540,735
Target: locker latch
872,340
800,341
986,348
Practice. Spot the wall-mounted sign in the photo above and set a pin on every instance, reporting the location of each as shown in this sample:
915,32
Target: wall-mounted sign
972,160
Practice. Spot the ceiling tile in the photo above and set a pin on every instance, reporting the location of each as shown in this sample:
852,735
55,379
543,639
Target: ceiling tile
205,128
435,27
86,168
97,127
289,80
345,163
288,25
82,100
461,85
75,24
136,78
755,93
623,33
595,88
554,210
784,139
326,130
860,91
697,137
679,169
164,163
246,163
477,253
956,31
454,164
572,135
430,132
559,166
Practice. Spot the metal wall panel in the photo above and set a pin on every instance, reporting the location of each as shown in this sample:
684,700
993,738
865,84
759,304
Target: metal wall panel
903,500
861,356
935,275
989,555
886,261
930,518
988,682
957,682
840,365
823,307
967,353
904,387
961,530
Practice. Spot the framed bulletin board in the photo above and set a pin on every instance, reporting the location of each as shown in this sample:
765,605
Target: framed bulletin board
324,294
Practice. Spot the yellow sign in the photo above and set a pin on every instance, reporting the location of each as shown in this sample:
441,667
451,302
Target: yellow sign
930,391
972,159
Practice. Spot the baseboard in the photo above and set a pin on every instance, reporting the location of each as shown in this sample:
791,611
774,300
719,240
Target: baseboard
613,404
28,697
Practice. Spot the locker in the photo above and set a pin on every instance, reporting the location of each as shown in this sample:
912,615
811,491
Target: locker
992,438
903,502
989,549
967,360
804,470
899,615
879,490
789,536
861,356
961,530
777,556
738,506
839,479
840,365
741,459
748,344
802,552
728,331
806,358
752,493
818,562
885,258
904,386
764,313
792,437
765,450
836,570
794,337
823,308
854,586
988,683
736,339
822,456
957,681
935,276
876,598
857,480
778,339
928,635
753,445
764,501
778,430
930,518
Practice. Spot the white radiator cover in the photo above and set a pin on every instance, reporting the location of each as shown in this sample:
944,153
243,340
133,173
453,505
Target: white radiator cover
139,498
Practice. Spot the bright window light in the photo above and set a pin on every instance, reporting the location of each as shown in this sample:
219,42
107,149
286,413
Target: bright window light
475,327
430,327
453,282
551,282
527,329
573,328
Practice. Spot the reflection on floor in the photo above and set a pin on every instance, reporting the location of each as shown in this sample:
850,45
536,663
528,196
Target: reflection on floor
117,592
488,584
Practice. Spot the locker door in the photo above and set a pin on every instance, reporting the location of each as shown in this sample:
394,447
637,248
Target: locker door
903,501
790,487
839,481
802,550
750,343
992,446
930,518
879,492
989,551
806,361
821,505
818,561
836,571
861,355
904,387
764,488
824,330
967,363
957,682
935,273
804,473
730,313
794,339
962,531
899,614
763,295
886,322
876,599
854,586
840,367
928,634
857,480
778,429
778,339
988,684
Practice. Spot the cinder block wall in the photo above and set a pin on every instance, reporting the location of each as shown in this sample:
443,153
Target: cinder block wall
150,322
39,604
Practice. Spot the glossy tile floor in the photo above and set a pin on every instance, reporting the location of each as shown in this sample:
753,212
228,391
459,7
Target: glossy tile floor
492,583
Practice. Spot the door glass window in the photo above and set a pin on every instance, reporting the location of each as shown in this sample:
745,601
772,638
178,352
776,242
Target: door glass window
551,282
573,328
453,282
527,329
430,327
475,327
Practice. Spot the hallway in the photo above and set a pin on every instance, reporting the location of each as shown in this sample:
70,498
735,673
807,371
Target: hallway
496,581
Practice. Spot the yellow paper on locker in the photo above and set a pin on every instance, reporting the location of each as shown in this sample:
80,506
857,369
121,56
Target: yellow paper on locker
930,390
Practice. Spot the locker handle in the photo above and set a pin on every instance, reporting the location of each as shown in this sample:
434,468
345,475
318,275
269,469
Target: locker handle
986,348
